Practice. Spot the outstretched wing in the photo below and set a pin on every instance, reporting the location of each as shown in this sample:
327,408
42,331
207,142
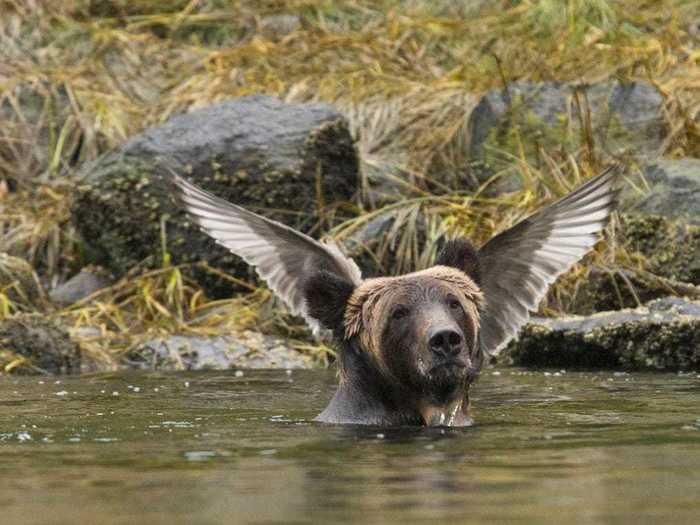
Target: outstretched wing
519,264
283,257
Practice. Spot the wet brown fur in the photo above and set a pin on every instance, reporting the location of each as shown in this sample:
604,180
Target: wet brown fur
362,303
388,374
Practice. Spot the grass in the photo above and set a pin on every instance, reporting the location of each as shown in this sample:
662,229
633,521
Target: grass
77,78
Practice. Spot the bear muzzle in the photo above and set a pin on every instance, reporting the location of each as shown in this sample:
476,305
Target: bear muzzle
445,342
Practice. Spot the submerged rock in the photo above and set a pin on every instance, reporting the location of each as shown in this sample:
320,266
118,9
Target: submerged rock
41,345
88,281
620,118
291,162
252,350
20,284
662,335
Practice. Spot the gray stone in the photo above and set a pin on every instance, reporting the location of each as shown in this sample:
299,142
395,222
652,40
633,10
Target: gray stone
694,29
42,345
662,335
671,254
291,162
251,350
625,118
455,8
276,27
675,190
80,286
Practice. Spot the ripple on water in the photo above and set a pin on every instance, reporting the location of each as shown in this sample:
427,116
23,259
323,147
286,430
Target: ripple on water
217,448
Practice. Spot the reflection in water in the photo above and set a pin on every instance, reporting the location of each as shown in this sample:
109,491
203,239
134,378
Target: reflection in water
216,448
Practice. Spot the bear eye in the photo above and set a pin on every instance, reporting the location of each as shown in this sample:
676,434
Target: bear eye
454,304
399,313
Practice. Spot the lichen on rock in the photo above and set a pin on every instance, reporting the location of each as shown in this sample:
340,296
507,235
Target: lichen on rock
525,118
671,248
663,335
245,350
293,163
668,255
675,190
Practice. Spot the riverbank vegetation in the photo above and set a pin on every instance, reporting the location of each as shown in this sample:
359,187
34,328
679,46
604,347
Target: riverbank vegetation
78,78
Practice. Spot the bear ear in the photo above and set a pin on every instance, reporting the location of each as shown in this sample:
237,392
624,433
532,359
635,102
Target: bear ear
327,295
460,254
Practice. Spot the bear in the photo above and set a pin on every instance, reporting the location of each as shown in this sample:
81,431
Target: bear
410,346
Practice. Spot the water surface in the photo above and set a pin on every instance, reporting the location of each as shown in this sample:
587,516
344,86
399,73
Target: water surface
221,447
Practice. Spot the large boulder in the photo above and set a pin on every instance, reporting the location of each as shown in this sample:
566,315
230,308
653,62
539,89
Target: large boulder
31,343
619,118
291,162
663,335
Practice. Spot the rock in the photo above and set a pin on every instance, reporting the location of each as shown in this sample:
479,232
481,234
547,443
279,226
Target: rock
292,162
276,27
694,29
252,350
457,8
20,284
675,190
663,335
671,249
604,290
625,118
32,343
88,281
671,254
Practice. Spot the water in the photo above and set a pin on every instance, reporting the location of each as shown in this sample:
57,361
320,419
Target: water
214,447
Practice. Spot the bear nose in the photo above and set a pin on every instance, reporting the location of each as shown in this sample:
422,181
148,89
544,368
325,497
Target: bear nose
446,342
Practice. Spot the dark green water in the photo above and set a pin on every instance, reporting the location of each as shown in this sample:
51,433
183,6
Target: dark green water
216,448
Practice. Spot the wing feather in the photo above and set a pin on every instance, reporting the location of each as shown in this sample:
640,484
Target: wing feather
281,255
519,264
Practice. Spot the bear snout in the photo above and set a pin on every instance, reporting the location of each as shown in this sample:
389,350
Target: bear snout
445,342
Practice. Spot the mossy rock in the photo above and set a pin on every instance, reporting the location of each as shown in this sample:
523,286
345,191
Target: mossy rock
670,252
663,335
615,118
20,285
31,343
675,190
671,248
293,163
